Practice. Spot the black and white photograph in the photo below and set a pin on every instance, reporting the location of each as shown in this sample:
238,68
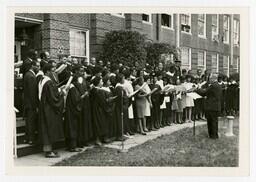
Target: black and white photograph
140,89
126,89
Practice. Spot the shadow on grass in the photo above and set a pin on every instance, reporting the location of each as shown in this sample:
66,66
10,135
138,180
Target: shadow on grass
178,149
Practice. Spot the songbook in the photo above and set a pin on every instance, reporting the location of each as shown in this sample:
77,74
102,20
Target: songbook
201,84
60,69
168,88
68,83
194,95
135,92
18,64
169,73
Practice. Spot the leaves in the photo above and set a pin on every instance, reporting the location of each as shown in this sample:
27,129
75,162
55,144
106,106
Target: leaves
124,47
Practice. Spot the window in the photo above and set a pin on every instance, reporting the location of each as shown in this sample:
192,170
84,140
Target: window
186,58
201,60
167,20
146,18
226,65
79,43
215,27
215,63
118,14
202,25
186,23
226,29
236,31
235,63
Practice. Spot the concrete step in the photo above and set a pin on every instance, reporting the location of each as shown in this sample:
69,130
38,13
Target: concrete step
26,149
21,137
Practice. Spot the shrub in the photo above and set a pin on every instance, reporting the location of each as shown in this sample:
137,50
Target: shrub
126,47
155,50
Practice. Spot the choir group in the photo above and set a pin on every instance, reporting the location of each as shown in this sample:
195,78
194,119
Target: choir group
95,102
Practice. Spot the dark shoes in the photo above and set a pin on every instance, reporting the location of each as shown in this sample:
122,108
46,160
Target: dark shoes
75,150
51,154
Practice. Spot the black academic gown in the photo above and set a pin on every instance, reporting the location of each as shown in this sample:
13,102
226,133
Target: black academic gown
98,104
109,112
86,129
50,114
72,115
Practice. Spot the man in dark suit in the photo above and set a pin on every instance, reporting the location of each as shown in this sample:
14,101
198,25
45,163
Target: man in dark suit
213,95
31,101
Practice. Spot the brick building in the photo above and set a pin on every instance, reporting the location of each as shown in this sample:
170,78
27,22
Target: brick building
206,41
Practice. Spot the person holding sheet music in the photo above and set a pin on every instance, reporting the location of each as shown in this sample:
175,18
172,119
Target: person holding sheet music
141,102
189,101
178,98
73,116
50,112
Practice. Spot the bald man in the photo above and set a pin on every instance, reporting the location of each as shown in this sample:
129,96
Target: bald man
213,95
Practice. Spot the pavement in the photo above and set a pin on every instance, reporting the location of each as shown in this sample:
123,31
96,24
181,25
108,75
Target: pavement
40,160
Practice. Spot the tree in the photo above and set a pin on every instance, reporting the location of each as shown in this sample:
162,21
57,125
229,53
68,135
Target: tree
126,47
155,52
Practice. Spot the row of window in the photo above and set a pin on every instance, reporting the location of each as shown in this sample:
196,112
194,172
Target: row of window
185,21
79,47
201,62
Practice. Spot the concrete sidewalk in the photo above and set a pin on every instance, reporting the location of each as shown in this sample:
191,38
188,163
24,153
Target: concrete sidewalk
40,160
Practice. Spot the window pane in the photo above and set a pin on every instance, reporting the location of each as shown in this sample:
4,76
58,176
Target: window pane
200,28
145,17
214,63
185,56
165,20
201,16
200,58
77,43
225,61
214,20
225,22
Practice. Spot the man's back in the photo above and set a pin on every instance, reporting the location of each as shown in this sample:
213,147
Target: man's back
30,90
213,100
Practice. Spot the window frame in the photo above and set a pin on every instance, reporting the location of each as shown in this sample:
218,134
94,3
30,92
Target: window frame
236,42
217,27
189,24
227,64
204,23
204,59
150,18
236,65
118,15
217,62
228,30
87,42
189,65
166,27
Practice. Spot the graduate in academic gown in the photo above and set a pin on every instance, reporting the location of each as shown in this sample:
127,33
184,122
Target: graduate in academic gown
98,102
85,126
73,115
50,112
109,107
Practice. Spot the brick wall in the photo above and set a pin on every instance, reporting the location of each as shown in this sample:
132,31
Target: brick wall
55,32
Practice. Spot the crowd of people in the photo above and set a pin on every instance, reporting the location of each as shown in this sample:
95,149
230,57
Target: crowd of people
95,102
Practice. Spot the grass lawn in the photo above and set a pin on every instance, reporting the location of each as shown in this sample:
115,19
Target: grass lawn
177,149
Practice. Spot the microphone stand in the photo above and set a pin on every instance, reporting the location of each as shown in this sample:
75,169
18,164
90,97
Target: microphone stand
122,150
